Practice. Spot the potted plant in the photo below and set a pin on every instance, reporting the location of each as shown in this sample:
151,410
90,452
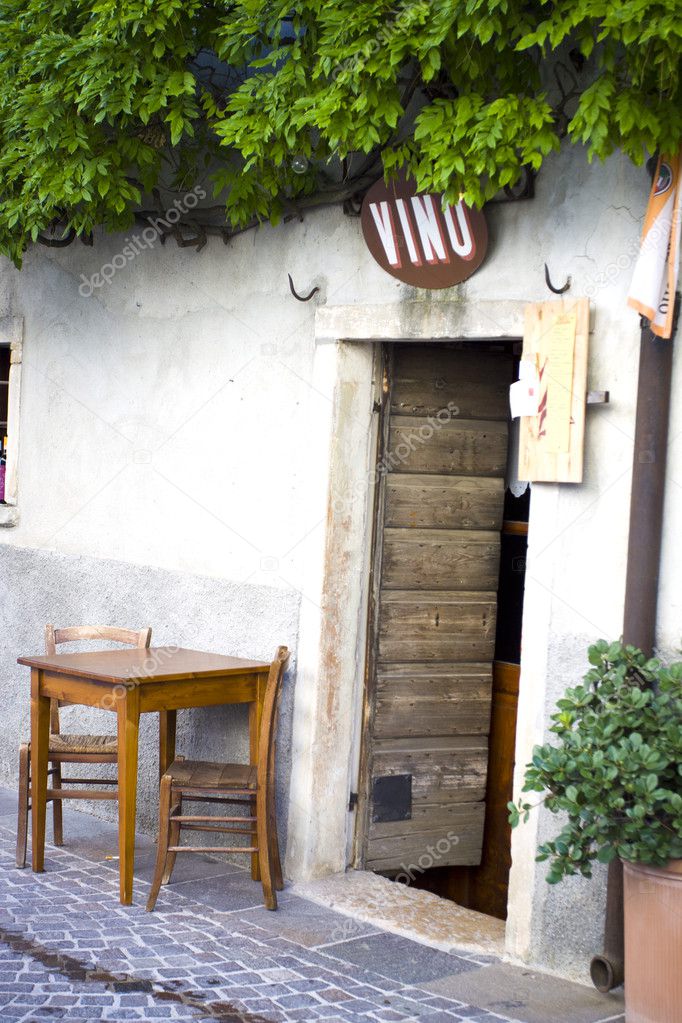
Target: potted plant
615,774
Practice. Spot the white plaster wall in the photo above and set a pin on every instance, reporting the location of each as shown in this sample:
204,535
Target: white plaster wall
172,418
182,419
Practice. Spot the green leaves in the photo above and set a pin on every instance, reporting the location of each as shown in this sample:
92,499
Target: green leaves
614,773
471,147
103,101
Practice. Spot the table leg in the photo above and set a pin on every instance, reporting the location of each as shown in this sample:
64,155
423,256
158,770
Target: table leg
167,728
255,715
40,740
128,737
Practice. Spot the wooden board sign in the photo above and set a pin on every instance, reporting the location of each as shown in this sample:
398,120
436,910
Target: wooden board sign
555,340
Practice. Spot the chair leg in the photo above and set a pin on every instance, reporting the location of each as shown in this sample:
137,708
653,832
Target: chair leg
57,825
256,873
275,859
271,805
162,842
22,815
174,833
264,850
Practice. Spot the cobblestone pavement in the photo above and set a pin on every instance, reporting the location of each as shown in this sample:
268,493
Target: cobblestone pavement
70,951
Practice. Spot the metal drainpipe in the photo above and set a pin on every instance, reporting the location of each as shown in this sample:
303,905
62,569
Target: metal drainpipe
641,585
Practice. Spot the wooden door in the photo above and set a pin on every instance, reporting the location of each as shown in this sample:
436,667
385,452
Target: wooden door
441,470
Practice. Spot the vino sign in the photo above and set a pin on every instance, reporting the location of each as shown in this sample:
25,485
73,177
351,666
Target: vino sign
414,239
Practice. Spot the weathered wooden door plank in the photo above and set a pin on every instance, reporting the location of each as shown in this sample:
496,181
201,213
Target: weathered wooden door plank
470,380
424,626
435,559
444,502
437,836
467,447
415,700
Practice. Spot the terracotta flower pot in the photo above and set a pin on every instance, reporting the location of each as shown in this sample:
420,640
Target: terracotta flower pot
653,942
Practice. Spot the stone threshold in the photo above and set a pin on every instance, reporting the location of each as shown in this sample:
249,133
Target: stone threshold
409,912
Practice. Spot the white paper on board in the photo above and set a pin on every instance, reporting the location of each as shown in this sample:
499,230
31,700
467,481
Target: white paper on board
524,397
528,369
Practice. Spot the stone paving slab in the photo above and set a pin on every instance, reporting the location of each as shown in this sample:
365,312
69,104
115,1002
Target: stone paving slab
307,924
402,959
529,996
70,951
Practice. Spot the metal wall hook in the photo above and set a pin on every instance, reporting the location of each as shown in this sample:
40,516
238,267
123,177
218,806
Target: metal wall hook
557,291
301,298
57,243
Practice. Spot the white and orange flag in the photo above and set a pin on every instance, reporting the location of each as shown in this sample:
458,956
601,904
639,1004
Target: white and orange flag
654,281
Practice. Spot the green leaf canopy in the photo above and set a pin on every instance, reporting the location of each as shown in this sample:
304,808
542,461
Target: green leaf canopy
104,102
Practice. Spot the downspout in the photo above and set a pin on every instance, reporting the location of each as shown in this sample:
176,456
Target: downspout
641,584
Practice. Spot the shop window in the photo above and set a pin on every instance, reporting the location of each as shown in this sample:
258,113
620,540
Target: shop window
4,393
10,392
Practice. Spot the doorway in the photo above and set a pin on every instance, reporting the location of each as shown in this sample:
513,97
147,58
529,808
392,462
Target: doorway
444,626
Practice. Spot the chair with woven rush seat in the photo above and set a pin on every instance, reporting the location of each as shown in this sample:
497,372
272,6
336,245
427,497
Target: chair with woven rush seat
72,749
203,782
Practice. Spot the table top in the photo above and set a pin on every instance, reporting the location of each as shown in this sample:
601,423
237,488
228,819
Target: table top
142,666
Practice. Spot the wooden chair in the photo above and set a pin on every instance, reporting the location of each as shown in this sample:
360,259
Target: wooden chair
71,749
204,782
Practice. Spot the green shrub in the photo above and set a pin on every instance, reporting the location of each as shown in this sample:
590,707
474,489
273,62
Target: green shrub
616,772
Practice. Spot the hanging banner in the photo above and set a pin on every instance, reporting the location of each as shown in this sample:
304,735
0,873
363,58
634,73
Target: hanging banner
413,238
654,281
551,399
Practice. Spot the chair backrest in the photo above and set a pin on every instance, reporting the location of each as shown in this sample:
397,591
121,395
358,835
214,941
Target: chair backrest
268,725
107,633
140,638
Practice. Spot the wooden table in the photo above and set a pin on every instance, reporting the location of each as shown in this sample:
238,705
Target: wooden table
130,683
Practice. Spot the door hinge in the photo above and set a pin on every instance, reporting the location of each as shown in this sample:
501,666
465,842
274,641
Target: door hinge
353,801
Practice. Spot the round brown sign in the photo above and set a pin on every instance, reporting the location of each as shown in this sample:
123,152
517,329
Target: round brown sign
414,239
